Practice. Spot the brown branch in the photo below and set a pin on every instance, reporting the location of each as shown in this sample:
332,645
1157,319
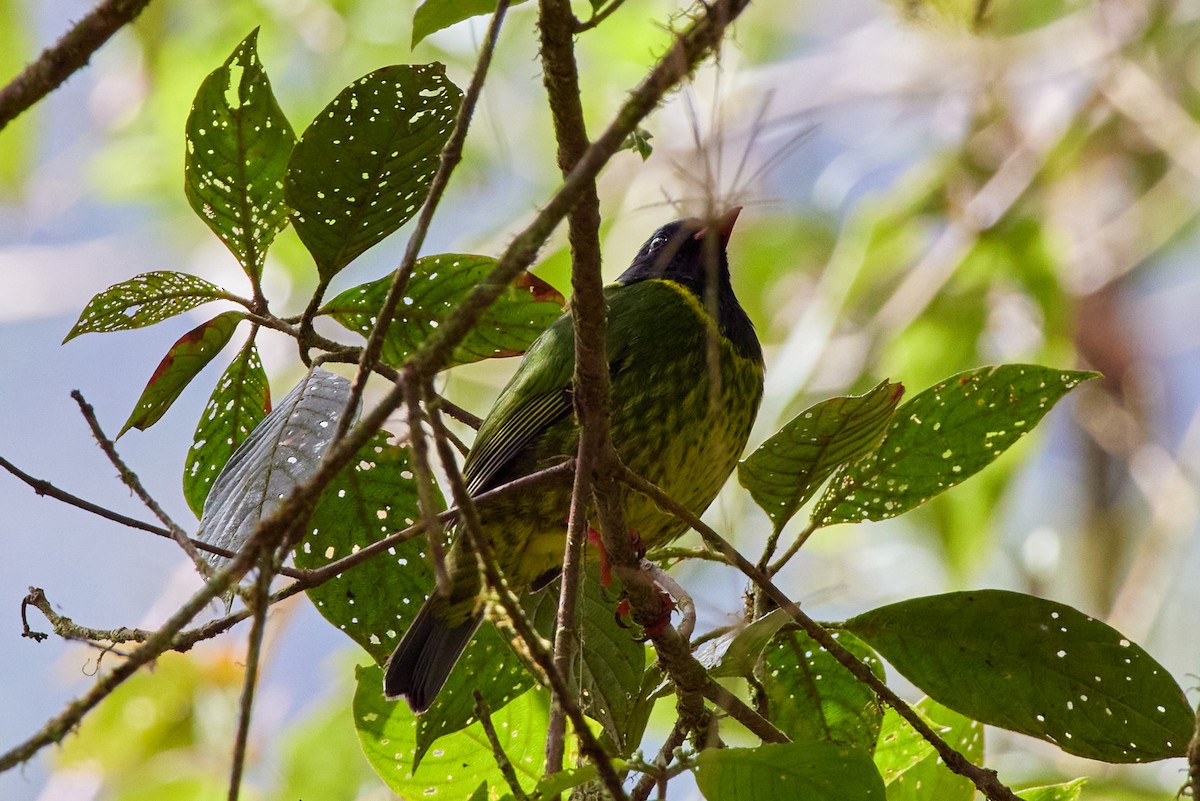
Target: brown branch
449,158
69,54
651,779
130,479
1192,786
502,761
984,779
260,603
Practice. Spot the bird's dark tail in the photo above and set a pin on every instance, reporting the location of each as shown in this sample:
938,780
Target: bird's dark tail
425,656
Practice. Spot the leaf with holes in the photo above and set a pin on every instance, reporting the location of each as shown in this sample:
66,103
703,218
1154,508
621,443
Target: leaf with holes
814,771
373,497
434,15
283,452
238,144
187,357
736,653
930,778
789,467
363,168
437,286
240,401
813,697
1036,667
387,731
1067,791
144,300
943,436
899,747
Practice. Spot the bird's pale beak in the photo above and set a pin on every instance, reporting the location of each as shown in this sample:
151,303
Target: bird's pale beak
723,225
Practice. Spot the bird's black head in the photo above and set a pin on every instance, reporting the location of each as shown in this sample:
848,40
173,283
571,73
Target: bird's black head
691,252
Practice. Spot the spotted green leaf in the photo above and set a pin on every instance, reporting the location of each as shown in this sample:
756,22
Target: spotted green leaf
434,15
929,778
363,167
238,144
144,300
792,464
899,747
438,284
943,436
813,771
183,361
1036,667
387,731
373,497
736,653
813,697
1067,791
241,399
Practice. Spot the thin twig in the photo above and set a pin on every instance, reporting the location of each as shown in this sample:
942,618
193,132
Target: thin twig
651,779
69,54
423,475
596,19
130,479
984,779
262,588
502,761
449,158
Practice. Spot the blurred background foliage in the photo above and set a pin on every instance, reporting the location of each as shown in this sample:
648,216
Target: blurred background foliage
931,185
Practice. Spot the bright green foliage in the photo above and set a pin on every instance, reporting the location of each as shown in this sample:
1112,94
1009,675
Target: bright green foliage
434,15
363,167
943,436
929,778
437,286
462,760
144,300
241,399
736,653
812,696
183,361
900,747
789,467
238,143
1067,791
1036,667
373,497
814,771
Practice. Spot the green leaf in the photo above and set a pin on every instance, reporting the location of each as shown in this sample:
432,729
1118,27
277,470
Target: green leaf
899,747
462,760
238,144
240,401
1036,667
930,778
736,653
943,436
363,167
813,697
1067,791
437,286
789,467
813,771
373,497
183,361
144,300
434,15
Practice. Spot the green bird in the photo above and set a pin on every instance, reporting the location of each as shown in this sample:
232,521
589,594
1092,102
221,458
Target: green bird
665,427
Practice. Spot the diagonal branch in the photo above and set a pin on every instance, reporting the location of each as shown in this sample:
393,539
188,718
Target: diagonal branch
69,54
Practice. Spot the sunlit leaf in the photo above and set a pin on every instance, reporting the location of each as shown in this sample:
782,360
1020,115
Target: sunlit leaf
281,453
387,731
438,284
899,747
735,653
930,778
813,697
241,399
1036,667
363,167
434,15
1067,791
792,464
238,144
813,771
144,300
183,361
943,436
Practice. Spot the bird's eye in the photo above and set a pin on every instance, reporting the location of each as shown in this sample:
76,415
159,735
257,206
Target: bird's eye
657,242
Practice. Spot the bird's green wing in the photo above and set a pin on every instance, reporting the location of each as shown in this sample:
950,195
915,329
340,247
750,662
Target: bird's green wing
537,396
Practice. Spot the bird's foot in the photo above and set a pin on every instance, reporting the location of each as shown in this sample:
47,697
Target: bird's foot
605,567
671,596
